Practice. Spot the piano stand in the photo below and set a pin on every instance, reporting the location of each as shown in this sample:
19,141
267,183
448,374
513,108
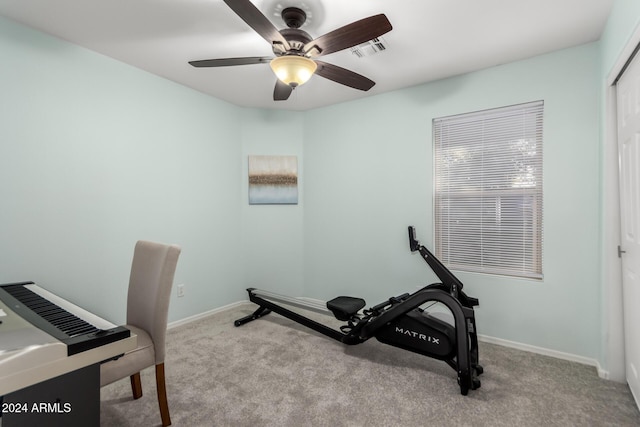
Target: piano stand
68,400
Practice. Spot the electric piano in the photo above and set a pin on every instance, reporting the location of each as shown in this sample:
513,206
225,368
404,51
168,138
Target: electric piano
45,339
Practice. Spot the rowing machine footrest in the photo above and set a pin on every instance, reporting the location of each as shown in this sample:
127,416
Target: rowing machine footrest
345,307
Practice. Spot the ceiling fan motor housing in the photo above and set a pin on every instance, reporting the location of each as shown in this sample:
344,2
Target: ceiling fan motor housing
297,40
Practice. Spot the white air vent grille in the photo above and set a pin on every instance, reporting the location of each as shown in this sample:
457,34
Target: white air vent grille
369,48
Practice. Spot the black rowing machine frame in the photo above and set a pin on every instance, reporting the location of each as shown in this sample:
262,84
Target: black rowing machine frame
377,321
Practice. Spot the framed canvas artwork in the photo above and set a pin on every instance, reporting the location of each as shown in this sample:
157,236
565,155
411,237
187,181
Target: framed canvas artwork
273,180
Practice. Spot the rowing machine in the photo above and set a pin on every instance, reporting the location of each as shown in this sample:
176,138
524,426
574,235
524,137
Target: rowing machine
400,321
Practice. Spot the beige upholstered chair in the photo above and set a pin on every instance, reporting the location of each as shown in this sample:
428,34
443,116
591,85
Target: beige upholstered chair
152,273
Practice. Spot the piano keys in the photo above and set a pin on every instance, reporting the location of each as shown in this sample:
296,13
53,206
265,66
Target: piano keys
43,336
46,311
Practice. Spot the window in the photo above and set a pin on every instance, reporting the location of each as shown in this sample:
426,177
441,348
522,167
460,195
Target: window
488,190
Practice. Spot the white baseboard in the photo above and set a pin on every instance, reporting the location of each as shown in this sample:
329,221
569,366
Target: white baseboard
484,338
208,313
547,352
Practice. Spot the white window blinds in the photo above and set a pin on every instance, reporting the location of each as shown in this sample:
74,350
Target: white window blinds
488,190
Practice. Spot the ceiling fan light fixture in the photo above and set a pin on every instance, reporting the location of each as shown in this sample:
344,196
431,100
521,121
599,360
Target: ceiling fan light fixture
293,70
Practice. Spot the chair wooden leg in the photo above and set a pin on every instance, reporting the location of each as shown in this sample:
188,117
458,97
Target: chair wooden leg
136,386
162,395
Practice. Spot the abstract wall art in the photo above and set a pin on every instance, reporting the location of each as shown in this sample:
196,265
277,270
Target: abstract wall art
273,180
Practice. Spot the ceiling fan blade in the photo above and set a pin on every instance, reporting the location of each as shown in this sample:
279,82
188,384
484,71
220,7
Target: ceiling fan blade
348,36
256,20
343,76
282,91
227,62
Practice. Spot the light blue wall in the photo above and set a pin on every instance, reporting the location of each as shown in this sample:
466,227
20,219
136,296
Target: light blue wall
368,174
95,155
272,235
624,18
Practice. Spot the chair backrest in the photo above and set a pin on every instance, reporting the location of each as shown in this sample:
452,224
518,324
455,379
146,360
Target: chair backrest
152,272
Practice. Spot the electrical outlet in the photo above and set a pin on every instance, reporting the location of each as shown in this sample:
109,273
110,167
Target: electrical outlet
180,290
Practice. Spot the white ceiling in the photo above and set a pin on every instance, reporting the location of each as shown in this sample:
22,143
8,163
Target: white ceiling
430,40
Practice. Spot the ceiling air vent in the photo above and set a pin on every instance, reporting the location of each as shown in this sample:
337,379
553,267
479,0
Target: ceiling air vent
369,48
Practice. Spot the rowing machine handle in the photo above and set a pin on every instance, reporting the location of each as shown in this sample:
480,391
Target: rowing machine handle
438,268
413,243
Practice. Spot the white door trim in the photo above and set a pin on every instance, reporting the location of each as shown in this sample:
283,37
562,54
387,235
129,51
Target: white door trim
611,275
624,57
613,326
612,321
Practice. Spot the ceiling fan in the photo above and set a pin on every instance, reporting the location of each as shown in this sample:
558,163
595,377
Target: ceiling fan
295,51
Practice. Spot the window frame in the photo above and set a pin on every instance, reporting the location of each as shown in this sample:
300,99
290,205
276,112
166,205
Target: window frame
522,192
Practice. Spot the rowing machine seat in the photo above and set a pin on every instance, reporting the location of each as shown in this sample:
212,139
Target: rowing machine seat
343,308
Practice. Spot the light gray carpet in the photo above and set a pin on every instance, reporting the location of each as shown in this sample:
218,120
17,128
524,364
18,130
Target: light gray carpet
274,372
